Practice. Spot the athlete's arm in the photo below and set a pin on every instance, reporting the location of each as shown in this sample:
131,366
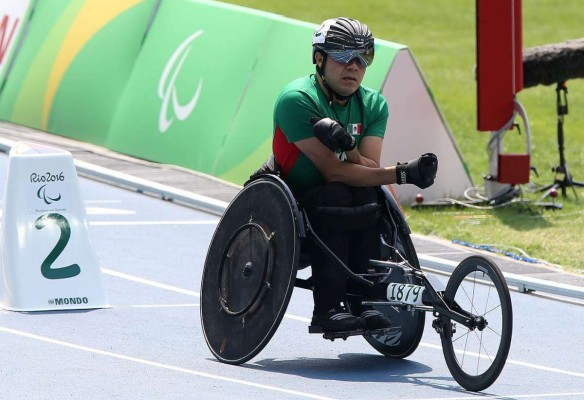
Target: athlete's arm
335,170
368,153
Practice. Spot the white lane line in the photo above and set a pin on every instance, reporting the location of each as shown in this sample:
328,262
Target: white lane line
175,289
149,282
521,363
158,305
548,369
103,201
161,365
138,223
546,395
108,211
297,318
509,396
303,319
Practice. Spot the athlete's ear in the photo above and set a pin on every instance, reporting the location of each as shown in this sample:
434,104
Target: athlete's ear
319,58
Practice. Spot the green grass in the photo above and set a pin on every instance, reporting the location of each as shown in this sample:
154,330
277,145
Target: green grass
441,35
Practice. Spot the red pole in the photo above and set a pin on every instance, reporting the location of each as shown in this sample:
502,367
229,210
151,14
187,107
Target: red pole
499,61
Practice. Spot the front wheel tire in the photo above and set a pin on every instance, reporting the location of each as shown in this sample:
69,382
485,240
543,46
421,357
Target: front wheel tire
476,357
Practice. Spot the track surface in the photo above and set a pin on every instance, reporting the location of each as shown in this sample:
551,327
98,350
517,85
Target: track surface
149,344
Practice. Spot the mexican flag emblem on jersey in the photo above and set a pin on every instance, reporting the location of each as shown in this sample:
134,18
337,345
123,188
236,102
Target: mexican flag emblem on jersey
354,129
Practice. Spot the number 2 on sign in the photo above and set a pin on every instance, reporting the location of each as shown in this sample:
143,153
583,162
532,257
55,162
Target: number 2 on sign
404,292
57,273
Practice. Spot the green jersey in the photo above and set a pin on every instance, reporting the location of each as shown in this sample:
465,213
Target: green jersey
365,114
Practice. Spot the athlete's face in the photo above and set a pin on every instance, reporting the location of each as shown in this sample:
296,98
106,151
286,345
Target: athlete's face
345,79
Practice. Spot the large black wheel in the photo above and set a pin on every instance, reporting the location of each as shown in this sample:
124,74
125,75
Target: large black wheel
250,271
403,338
476,357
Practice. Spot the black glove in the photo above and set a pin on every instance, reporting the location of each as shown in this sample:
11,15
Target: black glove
420,172
332,134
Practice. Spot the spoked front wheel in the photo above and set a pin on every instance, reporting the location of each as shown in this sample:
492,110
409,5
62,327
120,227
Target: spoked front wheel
476,357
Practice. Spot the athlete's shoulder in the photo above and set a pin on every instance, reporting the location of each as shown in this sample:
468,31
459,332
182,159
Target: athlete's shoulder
370,95
300,92
374,102
298,88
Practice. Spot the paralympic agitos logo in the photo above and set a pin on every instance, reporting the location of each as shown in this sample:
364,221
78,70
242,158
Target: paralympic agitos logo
167,90
47,198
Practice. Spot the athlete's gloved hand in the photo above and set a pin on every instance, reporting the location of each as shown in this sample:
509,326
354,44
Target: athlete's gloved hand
420,172
332,134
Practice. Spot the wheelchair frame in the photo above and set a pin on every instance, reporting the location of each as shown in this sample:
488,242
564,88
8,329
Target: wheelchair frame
249,277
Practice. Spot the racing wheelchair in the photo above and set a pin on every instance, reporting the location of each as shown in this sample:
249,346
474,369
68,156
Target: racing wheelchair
251,270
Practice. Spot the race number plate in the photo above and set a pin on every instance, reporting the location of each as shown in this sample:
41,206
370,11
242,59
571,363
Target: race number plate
405,293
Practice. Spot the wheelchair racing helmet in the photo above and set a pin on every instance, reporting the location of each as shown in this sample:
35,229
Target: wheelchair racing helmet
342,39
